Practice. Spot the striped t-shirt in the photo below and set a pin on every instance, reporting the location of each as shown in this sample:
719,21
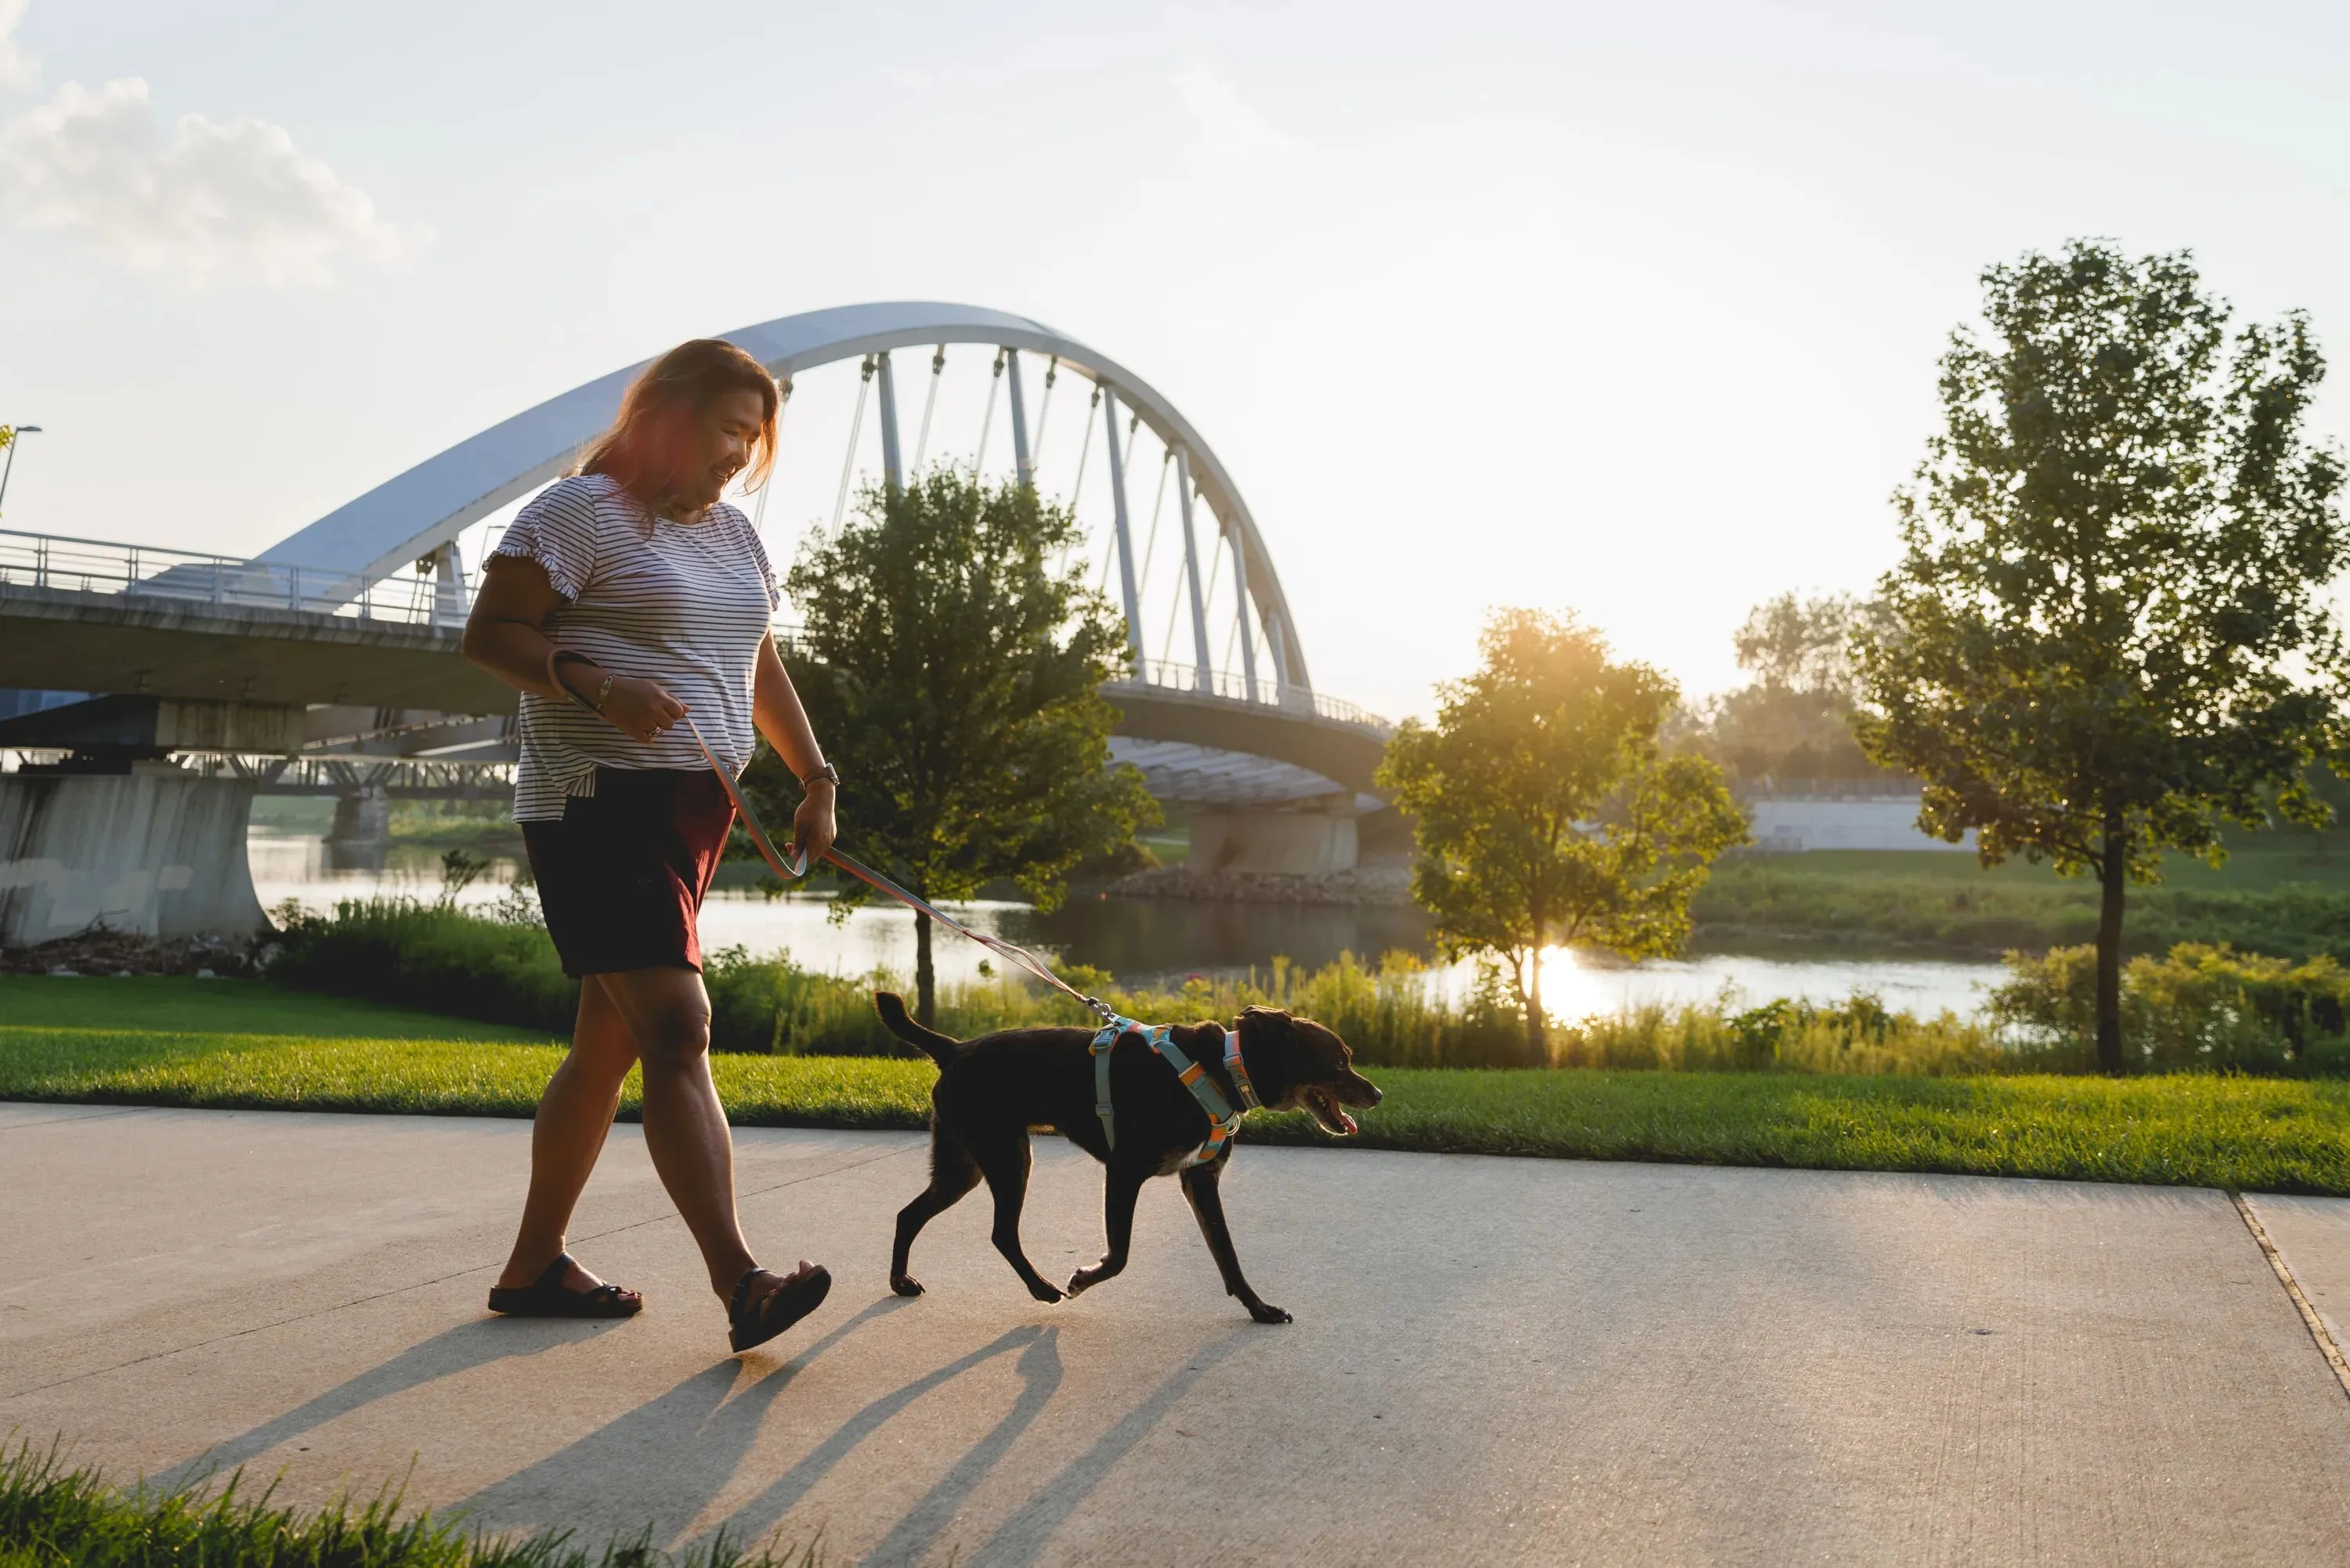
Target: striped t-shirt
684,604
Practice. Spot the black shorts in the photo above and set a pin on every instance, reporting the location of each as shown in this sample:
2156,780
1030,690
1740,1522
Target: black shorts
621,876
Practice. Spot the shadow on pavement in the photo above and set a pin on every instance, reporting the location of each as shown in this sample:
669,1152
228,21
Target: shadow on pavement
456,1350
679,1449
1020,1539
1040,1365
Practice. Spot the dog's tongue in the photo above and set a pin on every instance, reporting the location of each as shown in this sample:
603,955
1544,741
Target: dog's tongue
1344,1120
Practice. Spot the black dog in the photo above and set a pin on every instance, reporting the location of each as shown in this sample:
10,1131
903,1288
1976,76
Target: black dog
993,1090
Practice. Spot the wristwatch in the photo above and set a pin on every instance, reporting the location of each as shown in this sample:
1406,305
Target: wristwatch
825,772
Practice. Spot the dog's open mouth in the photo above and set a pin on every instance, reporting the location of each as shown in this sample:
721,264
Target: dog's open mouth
1329,1112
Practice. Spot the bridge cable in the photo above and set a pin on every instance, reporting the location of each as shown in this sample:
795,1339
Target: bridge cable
922,441
1158,504
1043,412
1085,451
856,428
987,421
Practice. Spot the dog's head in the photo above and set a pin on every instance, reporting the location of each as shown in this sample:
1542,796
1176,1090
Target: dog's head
1297,1064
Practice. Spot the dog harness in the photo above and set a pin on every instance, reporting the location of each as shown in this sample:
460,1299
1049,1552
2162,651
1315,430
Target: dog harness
1223,1120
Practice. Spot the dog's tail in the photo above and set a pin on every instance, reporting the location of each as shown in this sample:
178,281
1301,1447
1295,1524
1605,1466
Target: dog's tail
939,1048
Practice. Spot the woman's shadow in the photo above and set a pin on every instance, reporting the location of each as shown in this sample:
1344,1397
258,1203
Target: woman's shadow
460,1349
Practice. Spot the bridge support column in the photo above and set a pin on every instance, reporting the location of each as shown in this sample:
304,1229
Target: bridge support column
360,839
155,851
1315,839
1024,462
1130,598
894,472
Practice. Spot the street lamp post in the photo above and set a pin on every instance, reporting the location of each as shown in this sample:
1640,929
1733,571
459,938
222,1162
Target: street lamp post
10,467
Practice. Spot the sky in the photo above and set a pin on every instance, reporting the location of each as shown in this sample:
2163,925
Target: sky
1628,311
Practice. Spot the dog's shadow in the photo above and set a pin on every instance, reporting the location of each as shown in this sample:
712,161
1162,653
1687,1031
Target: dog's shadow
691,1439
1020,1539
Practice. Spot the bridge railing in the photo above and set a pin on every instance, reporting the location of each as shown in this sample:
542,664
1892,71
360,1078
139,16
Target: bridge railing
190,576
1234,687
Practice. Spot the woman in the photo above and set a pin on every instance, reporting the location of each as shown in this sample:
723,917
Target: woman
623,599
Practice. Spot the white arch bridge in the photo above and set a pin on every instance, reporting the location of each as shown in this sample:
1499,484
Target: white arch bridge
336,647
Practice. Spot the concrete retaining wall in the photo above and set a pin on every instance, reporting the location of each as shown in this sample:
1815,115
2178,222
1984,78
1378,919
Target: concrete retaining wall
1288,843
1791,823
156,852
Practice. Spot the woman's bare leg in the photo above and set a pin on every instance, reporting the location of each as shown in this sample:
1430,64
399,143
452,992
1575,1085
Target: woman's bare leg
685,1127
574,1116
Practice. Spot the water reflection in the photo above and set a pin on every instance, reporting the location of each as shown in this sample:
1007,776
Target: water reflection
1161,942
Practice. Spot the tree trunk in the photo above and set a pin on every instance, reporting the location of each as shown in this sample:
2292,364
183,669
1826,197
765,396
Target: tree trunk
2109,947
1537,1042
926,980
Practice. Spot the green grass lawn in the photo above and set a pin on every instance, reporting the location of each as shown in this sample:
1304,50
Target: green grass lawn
247,1045
2284,895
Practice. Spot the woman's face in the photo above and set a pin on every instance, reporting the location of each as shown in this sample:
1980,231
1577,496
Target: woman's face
730,426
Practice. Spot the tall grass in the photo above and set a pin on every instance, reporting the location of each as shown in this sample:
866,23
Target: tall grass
441,957
57,1516
2198,1007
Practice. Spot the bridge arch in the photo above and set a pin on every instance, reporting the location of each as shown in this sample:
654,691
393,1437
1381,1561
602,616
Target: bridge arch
423,510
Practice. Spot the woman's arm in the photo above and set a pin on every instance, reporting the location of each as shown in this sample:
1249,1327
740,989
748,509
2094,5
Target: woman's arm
507,635
775,708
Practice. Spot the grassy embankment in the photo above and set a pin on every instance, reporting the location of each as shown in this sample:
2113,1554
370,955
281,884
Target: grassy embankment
247,1044
2287,894
56,1516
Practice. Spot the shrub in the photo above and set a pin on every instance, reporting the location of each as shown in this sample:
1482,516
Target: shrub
2201,1005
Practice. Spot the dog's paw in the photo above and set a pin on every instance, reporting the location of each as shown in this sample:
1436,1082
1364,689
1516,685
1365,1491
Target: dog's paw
1078,1283
1266,1314
906,1284
1044,1291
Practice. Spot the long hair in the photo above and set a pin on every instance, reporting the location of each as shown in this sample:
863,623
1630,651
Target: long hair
652,443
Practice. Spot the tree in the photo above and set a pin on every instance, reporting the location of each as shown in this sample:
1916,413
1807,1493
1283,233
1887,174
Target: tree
951,671
1793,719
1547,811
2106,633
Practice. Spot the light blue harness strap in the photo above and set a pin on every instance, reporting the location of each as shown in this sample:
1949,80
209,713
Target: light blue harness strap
1102,1044
1224,1119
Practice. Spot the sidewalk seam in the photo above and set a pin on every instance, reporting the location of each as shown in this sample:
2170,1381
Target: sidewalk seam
2309,1318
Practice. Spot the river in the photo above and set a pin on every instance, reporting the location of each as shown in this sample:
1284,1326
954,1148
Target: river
1159,942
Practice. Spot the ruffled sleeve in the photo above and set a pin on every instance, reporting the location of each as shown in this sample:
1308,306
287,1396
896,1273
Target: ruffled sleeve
557,528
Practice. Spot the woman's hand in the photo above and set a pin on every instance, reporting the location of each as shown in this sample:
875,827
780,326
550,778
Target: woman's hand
812,826
641,708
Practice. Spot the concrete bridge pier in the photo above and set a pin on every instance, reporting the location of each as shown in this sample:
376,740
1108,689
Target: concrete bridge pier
359,839
1315,837
153,851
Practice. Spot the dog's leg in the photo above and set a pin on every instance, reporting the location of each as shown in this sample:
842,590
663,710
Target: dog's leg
1004,1160
953,1174
1208,1205
1119,1194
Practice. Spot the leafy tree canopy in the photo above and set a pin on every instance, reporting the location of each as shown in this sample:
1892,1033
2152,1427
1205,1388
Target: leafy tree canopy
1547,813
951,659
2108,633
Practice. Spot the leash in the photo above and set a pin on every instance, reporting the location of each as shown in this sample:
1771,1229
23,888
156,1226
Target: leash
792,869
1223,1119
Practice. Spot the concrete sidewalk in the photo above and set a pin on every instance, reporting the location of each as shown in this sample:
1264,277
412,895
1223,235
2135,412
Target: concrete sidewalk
1495,1360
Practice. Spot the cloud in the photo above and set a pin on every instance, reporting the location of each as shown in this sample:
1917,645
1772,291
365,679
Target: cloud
19,72
210,200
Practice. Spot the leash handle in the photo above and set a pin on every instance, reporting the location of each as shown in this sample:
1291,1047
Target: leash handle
792,869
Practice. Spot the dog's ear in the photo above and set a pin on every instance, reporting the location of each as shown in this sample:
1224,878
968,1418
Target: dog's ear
1269,1035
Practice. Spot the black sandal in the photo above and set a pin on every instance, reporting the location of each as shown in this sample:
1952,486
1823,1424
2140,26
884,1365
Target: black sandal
550,1297
757,1323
